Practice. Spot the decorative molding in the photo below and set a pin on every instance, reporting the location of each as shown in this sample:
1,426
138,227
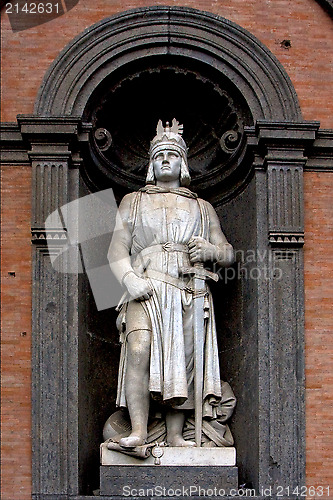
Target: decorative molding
285,198
286,132
51,139
286,239
33,137
289,142
39,127
49,237
168,32
13,149
320,153
103,139
50,186
229,141
285,203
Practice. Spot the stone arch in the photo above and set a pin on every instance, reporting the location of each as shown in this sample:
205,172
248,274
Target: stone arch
146,32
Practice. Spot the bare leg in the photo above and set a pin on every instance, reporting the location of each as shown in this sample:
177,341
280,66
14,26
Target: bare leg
174,423
137,393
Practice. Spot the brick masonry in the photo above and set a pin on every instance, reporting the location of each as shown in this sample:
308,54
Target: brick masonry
26,56
303,22
319,327
16,334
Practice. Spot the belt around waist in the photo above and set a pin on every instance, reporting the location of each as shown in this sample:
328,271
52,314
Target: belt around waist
169,246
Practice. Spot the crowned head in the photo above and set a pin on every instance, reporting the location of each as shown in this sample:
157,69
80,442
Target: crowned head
169,138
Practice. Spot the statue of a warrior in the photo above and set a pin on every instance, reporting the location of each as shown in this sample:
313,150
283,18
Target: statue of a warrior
164,235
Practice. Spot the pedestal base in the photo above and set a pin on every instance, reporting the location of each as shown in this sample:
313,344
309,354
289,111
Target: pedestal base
182,472
202,457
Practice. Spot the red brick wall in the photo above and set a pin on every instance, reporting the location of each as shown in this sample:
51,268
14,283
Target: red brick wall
319,327
16,334
26,56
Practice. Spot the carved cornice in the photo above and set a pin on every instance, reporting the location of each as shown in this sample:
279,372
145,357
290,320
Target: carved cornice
13,149
279,136
303,144
53,138
320,153
35,138
39,126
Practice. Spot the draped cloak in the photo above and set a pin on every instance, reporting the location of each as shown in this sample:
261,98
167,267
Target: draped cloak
171,218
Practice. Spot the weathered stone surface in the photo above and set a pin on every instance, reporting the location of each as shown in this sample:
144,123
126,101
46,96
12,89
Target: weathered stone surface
175,456
119,480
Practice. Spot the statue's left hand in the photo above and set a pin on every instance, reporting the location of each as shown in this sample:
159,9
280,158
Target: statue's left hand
201,250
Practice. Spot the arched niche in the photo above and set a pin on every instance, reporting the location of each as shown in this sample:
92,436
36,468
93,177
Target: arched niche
146,32
127,49
210,64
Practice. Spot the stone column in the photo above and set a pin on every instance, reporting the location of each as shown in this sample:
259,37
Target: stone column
283,147
54,308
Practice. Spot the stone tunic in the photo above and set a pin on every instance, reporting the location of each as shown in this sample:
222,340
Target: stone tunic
171,218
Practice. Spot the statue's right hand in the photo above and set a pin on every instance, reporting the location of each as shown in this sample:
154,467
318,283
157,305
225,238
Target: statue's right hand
138,288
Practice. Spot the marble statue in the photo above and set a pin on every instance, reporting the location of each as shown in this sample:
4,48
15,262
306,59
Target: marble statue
169,361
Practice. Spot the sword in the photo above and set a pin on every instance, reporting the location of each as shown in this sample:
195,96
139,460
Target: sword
199,274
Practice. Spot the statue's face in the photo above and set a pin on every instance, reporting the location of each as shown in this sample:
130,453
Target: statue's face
167,163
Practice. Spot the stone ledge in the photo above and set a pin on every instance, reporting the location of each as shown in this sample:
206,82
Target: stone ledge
172,456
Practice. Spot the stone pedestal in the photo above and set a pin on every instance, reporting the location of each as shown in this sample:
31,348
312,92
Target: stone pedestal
184,471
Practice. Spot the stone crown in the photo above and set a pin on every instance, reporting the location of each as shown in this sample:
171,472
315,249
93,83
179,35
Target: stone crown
168,136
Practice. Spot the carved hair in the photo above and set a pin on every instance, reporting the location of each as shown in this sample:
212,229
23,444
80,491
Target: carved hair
184,177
